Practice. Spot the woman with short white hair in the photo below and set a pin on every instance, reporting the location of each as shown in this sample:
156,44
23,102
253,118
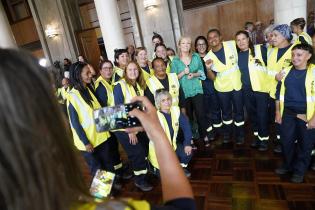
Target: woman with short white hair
171,120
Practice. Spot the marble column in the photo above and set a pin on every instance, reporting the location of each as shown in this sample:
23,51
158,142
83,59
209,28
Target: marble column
287,10
111,27
6,38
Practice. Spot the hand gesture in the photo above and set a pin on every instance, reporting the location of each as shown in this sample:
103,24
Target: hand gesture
311,123
190,76
279,76
209,63
186,70
188,150
133,138
278,118
89,148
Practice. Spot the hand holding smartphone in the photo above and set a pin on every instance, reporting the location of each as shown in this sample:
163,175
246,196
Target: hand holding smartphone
116,117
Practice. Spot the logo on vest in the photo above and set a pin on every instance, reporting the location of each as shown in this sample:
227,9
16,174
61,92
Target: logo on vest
287,62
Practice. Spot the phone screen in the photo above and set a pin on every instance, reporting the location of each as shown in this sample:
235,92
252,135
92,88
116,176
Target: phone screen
116,117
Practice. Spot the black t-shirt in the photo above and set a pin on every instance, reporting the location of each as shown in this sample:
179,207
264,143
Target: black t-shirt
166,86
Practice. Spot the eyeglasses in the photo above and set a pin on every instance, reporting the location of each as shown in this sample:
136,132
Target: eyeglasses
199,45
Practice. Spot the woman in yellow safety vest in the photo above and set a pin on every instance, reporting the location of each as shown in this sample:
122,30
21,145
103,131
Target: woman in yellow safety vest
135,144
104,94
278,58
255,87
142,59
94,146
38,160
172,120
121,58
295,111
297,26
163,80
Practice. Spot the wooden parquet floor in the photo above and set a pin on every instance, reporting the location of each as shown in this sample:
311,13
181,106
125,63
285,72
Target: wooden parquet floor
226,176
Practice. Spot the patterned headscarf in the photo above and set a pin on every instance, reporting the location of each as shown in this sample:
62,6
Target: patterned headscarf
285,31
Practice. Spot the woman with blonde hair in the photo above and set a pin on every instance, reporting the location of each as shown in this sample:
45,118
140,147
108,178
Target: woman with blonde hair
190,72
135,144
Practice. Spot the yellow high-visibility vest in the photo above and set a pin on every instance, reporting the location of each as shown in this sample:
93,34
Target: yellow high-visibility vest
117,71
274,67
62,94
175,113
125,204
147,75
228,75
258,71
310,91
128,91
85,114
109,90
306,37
154,84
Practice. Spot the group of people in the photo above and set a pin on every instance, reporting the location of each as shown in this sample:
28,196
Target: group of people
208,87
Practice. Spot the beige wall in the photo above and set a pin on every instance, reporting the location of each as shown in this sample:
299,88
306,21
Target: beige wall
229,17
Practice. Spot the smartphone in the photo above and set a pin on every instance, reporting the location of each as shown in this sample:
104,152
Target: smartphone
116,117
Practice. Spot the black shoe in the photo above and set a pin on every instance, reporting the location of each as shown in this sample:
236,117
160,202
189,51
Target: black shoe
126,175
281,171
144,186
226,139
277,149
263,146
297,178
187,173
240,140
255,143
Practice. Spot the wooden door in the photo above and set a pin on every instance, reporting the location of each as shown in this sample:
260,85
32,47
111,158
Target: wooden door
89,48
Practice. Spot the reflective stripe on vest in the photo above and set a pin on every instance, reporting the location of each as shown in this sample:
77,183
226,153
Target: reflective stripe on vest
274,66
147,75
175,113
228,75
258,71
310,91
154,84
